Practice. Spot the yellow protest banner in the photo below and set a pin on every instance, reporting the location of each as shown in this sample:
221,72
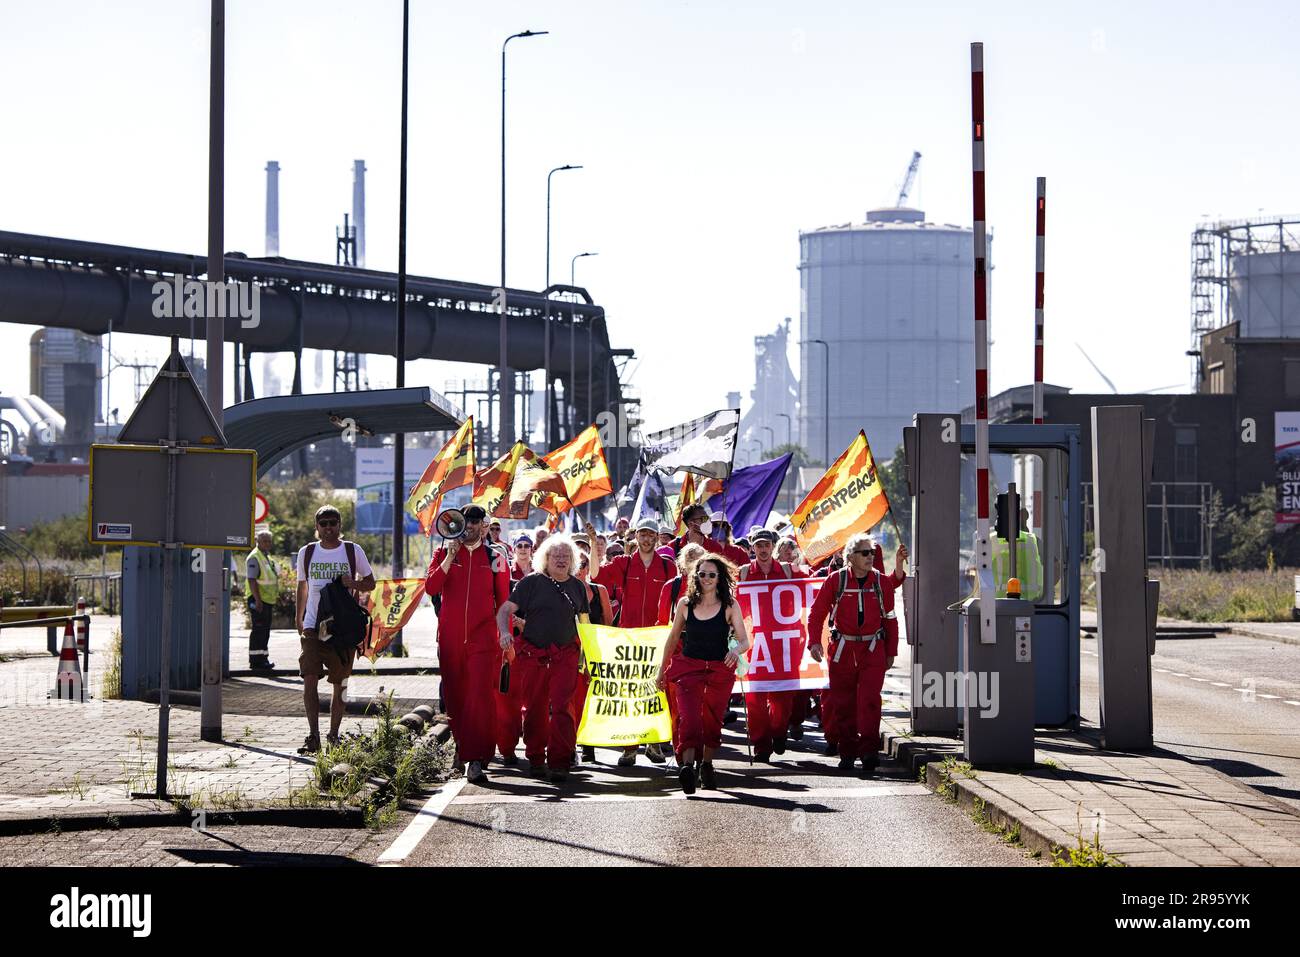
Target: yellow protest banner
390,605
624,706
846,500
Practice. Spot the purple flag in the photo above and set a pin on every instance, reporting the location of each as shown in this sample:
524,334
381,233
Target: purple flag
751,493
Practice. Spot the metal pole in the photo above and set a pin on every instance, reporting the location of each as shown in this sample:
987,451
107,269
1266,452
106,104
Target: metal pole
789,431
546,319
213,620
1040,230
983,551
169,575
399,440
507,400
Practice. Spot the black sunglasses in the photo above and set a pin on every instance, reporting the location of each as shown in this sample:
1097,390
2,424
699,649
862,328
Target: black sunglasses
327,522
708,575
867,552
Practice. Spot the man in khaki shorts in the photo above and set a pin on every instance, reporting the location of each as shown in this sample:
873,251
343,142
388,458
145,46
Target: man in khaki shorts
319,563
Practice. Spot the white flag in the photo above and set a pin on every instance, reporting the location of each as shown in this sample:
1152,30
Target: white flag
705,446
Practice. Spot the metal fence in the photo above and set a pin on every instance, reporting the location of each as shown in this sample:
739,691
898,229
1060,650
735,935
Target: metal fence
1180,523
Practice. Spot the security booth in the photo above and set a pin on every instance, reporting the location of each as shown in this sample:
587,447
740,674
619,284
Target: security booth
1044,462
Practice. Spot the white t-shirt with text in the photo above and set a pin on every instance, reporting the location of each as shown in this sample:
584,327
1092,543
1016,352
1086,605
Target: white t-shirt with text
326,565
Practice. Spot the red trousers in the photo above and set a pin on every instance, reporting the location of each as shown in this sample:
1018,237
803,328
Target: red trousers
703,688
767,716
826,716
469,672
801,708
547,679
856,680
510,716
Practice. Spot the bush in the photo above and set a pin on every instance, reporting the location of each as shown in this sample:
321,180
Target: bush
63,539
1244,536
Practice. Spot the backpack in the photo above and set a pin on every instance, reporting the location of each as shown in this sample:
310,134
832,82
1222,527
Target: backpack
338,613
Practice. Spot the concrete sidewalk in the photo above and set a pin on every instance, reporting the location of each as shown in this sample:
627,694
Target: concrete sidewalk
61,760
1283,632
1152,809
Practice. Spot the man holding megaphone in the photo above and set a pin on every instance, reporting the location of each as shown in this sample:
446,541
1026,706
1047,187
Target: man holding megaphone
470,576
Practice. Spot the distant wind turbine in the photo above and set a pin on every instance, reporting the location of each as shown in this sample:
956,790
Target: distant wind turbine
1098,370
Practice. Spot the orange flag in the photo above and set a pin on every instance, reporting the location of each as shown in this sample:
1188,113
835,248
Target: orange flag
507,488
846,500
684,498
581,463
451,468
390,606
492,484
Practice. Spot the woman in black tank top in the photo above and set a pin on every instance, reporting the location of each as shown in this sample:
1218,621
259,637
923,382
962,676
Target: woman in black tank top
705,671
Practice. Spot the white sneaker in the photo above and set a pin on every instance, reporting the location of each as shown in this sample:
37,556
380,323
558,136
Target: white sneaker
474,773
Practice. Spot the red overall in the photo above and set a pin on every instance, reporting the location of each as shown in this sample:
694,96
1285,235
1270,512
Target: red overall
469,656
640,583
825,706
547,678
767,713
857,668
666,608
597,596
703,688
510,706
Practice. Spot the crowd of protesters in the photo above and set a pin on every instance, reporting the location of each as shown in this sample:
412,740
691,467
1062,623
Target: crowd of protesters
510,658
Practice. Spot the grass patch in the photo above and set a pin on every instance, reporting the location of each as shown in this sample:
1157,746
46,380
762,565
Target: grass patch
383,766
1192,595
111,686
1007,833
946,770
75,786
1085,853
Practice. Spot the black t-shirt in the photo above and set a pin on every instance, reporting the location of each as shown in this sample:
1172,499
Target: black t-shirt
549,618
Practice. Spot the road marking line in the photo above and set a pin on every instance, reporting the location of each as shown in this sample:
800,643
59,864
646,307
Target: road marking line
1200,679
1163,671
1296,703
424,819
1220,684
1271,697
1178,674
738,794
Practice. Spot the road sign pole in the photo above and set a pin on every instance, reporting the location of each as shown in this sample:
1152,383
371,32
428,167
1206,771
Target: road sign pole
169,574
213,663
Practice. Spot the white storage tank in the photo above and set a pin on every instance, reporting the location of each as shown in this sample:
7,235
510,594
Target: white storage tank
893,299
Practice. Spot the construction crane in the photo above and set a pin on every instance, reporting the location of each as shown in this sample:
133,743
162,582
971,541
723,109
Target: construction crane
908,180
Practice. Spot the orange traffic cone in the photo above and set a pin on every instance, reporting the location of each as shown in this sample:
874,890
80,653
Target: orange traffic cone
68,685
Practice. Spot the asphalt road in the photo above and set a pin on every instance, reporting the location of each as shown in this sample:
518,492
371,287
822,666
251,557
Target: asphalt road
1230,701
799,811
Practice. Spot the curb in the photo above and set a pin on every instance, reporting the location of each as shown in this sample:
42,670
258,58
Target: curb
407,670
101,821
353,706
1245,632
1036,835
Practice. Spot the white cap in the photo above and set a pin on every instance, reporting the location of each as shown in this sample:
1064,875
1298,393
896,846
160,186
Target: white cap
718,516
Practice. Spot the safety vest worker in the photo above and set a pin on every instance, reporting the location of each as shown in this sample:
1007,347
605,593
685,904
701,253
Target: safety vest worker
263,589
1029,566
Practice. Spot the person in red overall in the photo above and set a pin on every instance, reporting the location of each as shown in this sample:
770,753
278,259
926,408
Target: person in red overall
733,552
602,613
668,596
551,601
699,528
471,577
704,672
639,577
510,706
859,600
767,713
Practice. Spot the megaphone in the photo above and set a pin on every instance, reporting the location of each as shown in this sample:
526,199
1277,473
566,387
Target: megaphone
450,524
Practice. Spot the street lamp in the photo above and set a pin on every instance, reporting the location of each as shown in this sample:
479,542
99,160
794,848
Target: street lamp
771,431
546,318
573,262
507,399
826,391
789,432
399,440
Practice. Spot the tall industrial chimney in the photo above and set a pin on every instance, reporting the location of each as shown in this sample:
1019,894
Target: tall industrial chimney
359,208
272,208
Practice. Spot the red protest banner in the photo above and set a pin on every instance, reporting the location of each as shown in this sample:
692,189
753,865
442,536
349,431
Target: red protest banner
776,614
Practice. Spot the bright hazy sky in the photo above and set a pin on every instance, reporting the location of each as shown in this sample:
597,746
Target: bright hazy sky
710,132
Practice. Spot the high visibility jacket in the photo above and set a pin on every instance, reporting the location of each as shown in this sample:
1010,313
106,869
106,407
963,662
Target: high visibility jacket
268,581
1029,566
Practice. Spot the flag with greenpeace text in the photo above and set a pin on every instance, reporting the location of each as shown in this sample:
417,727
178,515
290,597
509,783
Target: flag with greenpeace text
390,605
581,464
451,468
493,482
848,499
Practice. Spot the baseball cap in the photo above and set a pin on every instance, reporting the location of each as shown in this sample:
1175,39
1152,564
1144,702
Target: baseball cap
647,525
521,539
474,513
764,535
718,516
